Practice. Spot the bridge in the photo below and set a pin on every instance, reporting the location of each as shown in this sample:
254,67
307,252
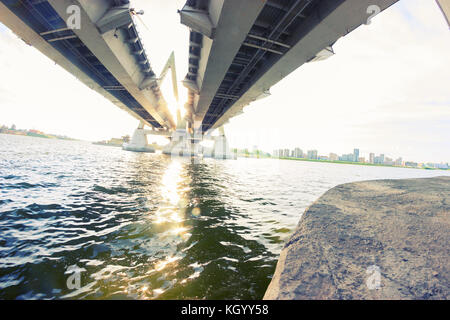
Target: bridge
105,53
240,49
237,51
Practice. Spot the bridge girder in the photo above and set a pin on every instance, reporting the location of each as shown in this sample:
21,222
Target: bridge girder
105,52
104,31
277,38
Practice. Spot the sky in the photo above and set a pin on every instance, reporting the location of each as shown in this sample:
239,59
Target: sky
386,90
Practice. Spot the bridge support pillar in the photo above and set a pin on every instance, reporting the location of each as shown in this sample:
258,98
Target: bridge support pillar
138,141
181,145
221,149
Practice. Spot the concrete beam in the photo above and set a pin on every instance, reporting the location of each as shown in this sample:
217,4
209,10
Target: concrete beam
234,21
324,54
444,5
197,20
269,41
29,36
322,34
164,133
148,82
132,40
114,53
191,85
114,18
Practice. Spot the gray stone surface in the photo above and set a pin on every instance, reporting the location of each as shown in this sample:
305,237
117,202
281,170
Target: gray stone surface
400,226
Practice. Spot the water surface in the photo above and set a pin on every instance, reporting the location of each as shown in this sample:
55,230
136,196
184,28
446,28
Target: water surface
145,226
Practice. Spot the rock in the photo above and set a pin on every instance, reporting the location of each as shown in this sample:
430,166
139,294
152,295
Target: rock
384,239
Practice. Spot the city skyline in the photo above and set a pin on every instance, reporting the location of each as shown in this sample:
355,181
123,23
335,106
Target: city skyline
356,157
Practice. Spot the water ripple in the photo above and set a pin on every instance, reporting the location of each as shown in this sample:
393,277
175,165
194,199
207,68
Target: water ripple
144,226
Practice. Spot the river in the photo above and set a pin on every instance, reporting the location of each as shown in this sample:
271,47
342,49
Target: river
147,226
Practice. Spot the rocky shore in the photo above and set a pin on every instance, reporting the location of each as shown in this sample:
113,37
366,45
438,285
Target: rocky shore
384,239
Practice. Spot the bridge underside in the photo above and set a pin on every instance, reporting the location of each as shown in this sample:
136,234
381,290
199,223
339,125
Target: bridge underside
281,36
39,24
444,5
238,49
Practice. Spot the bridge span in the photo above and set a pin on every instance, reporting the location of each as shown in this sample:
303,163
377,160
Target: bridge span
105,53
240,49
237,51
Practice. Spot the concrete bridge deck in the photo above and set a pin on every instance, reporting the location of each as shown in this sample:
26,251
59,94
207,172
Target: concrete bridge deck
240,49
237,49
105,52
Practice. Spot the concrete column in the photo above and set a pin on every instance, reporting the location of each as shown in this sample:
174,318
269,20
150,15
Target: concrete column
180,145
139,141
221,147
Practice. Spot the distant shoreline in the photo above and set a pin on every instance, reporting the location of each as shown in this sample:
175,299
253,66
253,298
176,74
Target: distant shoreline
38,135
48,136
358,163
342,162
